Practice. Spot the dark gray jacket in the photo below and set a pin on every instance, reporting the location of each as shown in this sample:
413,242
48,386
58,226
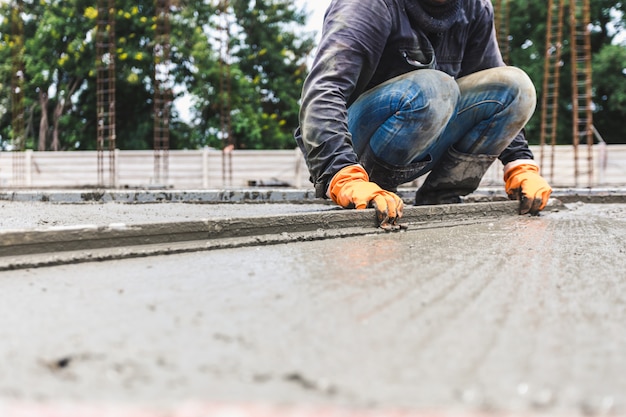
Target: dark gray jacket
366,42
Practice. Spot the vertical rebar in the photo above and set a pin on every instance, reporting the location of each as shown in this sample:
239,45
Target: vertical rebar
162,92
225,94
501,21
582,125
18,139
582,111
551,82
105,88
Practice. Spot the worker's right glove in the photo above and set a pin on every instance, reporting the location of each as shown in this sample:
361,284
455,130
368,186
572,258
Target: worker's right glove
351,188
522,182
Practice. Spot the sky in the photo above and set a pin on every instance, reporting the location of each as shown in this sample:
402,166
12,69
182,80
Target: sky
316,9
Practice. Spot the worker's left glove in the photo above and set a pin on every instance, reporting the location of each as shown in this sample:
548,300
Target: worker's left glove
351,188
522,182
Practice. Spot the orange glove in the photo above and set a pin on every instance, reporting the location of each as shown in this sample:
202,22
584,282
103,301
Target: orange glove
351,188
522,182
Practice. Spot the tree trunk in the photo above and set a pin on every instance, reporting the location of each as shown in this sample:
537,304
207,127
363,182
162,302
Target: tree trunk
59,109
43,123
58,112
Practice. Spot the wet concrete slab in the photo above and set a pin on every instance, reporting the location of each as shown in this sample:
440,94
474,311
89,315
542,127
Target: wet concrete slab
40,228
160,229
43,209
498,314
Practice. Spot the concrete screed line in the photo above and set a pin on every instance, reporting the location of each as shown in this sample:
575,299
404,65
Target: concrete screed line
268,195
38,247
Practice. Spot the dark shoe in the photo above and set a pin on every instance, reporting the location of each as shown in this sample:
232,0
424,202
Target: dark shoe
455,175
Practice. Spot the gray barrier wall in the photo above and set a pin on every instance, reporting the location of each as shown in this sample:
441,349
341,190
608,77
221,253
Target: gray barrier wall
213,169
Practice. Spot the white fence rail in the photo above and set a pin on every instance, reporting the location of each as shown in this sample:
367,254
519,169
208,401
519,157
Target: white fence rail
212,169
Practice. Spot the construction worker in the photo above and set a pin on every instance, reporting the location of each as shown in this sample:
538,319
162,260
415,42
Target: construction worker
402,88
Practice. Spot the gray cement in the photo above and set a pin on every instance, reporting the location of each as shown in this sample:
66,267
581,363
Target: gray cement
487,313
150,229
19,215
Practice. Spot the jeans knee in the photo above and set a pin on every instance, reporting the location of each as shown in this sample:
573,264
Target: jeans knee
520,83
432,91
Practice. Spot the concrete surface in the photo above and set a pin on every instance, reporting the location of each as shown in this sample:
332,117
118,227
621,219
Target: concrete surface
51,227
473,310
259,195
47,227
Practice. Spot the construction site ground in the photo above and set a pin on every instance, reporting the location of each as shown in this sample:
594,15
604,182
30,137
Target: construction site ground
274,303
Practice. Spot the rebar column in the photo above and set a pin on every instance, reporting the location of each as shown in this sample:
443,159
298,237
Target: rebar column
225,93
501,20
580,55
17,92
162,92
582,125
105,88
551,83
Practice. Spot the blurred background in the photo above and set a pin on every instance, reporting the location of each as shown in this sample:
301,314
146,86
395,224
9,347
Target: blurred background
126,89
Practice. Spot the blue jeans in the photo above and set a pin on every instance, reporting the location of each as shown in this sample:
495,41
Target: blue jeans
415,118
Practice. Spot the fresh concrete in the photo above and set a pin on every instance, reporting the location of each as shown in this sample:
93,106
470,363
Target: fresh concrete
476,312
169,232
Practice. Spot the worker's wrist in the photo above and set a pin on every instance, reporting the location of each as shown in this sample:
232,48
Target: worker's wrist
332,180
517,163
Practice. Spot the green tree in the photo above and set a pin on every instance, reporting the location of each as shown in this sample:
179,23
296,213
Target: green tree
610,91
265,72
265,68
59,55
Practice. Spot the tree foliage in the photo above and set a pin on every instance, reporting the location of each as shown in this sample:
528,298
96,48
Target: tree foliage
258,74
264,71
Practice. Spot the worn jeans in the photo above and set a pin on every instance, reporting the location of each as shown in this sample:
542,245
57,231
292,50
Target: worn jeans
413,119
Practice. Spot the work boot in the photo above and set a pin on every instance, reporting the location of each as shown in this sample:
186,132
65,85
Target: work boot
457,174
387,176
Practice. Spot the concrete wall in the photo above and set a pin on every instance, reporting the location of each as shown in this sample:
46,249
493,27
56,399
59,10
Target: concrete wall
196,169
211,169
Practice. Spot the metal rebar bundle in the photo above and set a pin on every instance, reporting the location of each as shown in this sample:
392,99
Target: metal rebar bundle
162,91
551,82
17,91
582,124
502,17
580,55
105,88
225,92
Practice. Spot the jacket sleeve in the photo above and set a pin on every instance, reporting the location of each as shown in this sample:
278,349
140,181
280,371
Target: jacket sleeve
353,38
517,149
